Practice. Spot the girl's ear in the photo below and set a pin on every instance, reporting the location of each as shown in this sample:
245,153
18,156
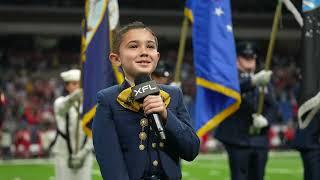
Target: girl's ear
115,60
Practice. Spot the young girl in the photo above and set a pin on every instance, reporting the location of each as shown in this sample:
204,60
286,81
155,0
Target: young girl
126,146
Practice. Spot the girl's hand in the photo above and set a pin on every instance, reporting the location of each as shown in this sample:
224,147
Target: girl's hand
154,104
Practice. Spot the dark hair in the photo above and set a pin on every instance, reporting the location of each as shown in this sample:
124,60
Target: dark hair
134,25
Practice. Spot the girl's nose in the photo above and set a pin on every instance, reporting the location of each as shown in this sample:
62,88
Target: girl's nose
144,51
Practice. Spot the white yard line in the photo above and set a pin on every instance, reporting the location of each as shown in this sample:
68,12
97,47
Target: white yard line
283,171
223,156
26,161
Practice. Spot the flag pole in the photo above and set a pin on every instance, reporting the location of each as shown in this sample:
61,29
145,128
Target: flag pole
82,59
273,35
182,45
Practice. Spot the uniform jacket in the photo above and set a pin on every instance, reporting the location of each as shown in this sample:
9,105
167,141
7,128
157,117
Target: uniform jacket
116,142
235,129
67,115
309,137
65,110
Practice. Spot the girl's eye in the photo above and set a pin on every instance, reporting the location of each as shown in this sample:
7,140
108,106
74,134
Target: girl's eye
133,46
151,46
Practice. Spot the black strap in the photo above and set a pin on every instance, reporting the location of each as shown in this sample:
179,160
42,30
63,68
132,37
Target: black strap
67,135
64,136
53,142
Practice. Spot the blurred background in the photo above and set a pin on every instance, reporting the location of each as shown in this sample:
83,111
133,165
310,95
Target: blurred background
40,38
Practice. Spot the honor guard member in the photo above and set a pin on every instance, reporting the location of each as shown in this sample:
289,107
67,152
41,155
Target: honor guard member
71,162
161,74
307,142
126,144
244,134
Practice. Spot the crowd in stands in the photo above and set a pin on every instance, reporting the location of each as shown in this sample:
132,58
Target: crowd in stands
30,82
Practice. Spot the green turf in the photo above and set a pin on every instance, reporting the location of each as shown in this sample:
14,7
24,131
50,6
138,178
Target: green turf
281,165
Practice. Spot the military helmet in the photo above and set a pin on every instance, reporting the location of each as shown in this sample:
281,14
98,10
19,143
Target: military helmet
247,49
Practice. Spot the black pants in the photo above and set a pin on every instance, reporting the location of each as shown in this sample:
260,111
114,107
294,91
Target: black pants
247,163
311,164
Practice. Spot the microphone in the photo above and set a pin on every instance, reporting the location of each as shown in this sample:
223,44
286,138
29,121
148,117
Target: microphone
144,86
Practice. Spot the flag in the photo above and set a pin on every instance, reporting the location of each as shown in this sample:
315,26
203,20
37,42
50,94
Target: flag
97,71
310,63
214,54
113,8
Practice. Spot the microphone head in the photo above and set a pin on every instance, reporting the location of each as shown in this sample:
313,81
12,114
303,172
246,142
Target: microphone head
142,78
144,86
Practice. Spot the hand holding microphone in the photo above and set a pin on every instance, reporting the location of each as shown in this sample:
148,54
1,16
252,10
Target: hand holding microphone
147,92
155,104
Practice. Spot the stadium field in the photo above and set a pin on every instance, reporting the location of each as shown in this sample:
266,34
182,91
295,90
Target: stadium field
281,165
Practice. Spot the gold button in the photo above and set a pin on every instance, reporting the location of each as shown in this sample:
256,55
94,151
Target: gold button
144,122
161,144
155,163
142,136
154,145
141,147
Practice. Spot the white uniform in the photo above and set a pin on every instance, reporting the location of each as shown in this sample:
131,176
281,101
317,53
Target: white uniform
65,109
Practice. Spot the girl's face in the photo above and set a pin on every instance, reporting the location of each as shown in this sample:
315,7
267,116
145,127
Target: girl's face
138,53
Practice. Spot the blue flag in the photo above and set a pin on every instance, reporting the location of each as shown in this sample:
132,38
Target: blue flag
218,92
97,70
308,5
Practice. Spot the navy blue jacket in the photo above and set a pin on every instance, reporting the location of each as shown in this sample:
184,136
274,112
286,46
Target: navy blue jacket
308,138
235,129
116,141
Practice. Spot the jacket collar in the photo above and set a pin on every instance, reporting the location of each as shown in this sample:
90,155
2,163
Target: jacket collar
125,98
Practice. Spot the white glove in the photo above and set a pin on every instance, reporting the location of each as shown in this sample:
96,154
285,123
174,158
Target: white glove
77,95
259,121
261,78
76,160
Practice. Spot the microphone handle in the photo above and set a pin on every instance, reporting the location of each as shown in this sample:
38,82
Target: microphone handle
157,126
